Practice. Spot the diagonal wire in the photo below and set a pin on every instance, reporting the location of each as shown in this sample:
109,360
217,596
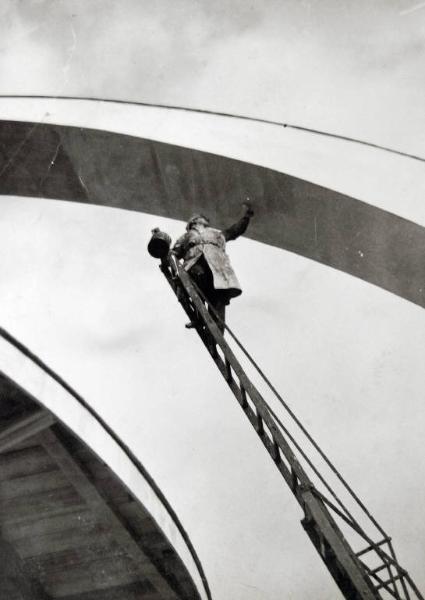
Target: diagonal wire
295,418
203,111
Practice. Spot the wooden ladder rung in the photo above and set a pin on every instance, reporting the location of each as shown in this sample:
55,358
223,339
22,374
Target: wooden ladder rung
294,481
229,375
372,547
383,566
389,581
275,452
244,401
259,424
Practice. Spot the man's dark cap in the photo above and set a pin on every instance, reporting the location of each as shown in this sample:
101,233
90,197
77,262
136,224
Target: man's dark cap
194,218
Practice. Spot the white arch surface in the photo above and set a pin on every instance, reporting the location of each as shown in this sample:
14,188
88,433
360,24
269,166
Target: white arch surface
388,181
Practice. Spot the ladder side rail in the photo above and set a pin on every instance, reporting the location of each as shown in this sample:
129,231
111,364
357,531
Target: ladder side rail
238,391
413,586
347,517
311,504
403,579
249,388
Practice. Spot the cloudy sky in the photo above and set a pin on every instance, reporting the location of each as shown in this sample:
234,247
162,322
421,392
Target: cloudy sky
355,68
347,355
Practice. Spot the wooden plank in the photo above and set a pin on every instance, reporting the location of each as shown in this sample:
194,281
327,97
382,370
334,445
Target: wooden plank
15,581
18,462
24,428
72,579
91,558
79,518
67,538
156,545
32,484
112,490
40,505
142,590
105,481
105,514
140,520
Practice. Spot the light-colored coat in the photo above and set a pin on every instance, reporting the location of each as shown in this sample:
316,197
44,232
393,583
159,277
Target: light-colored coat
211,244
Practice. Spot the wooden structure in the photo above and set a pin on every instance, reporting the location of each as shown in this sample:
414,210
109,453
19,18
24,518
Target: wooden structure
69,528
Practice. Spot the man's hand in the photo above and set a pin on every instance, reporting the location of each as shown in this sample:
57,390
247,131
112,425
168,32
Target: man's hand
248,208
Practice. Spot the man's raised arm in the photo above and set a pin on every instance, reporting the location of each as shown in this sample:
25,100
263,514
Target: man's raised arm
239,228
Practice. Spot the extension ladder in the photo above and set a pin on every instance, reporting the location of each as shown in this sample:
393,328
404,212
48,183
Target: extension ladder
372,572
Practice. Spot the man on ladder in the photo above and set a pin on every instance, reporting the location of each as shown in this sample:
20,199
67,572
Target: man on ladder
203,250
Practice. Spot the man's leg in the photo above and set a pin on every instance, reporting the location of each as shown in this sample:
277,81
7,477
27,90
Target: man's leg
218,303
202,277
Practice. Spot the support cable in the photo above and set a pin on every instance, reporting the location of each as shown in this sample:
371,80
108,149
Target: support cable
220,114
293,416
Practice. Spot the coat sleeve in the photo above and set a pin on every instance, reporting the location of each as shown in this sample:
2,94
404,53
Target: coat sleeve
179,248
237,229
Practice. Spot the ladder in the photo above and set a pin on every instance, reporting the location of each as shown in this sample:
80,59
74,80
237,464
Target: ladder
371,572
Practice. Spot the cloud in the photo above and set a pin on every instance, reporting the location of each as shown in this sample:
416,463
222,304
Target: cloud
351,68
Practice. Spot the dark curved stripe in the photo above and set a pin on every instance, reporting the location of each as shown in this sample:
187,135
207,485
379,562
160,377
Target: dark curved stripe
135,461
222,114
99,167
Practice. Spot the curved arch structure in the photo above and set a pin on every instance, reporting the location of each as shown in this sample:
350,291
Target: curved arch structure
79,522
352,207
